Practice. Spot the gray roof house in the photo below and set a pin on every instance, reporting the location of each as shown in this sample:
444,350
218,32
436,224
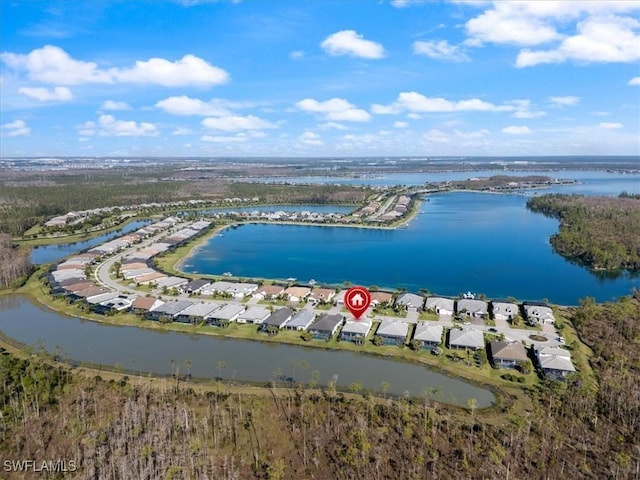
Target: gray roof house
507,354
410,301
254,314
197,312
356,330
430,335
539,313
277,319
325,326
167,311
504,310
392,332
467,338
227,313
301,320
440,305
555,362
195,286
472,307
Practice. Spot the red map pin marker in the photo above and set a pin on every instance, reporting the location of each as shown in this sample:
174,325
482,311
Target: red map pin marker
357,300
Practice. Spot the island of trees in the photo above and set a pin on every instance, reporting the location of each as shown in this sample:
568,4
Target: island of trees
602,233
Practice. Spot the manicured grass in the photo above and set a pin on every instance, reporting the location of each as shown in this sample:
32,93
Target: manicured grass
390,312
428,316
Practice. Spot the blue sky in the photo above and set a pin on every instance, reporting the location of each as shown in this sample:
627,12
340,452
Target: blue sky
319,78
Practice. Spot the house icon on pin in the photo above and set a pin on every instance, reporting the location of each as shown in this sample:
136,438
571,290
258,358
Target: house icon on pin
357,300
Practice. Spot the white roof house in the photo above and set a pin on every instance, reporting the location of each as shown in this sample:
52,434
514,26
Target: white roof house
356,328
472,307
555,362
467,338
426,332
504,310
392,331
440,305
229,312
410,301
254,314
539,313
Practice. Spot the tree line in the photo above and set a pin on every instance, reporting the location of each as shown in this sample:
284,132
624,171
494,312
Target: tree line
602,233
14,262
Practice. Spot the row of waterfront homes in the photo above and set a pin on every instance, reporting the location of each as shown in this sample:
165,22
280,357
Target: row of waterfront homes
69,279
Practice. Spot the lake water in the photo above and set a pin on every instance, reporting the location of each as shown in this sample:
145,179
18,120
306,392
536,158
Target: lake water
246,361
54,253
463,241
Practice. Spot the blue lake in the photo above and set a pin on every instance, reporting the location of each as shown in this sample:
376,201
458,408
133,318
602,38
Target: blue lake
54,253
463,241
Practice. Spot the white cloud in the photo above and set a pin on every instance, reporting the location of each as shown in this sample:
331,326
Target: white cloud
335,109
435,136
483,132
599,40
114,105
223,139
348,42
416,102
17,128
610,125
296,55
333,125
634,81
51,64
400,124
189,70
233,123
57,94
108,126
440,50
310,138
524,109
567,101
183,105
516,130
182,131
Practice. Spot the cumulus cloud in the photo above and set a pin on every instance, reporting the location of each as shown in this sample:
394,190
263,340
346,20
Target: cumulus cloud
51,64
435,136
17,128
567,101
635,81
333,125
310,138
109,126
400,124
182,131
348,42
599,40
610,125
114,105
183,105
440,50
516,130
233,123
335,109
57,94
416,102
224,139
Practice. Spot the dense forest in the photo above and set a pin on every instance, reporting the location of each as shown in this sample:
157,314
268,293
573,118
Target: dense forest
602,233
14,262
131,428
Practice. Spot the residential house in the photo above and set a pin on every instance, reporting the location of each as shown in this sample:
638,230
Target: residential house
101,297
117,304
138,272
150,278
195,286
197,312
430,335
222,315
339,298
410,301
383,299
540,314
356,330
141,305
171,282
241,290
466,338
392,332
504,310
472,307
125,267
440,305
254,314
301,320
507,354
325,326
268,292
321,295
555,362
297,294
167,311
277,319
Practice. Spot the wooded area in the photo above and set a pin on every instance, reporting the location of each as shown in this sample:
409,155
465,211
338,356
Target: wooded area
14,262
602,233
127,429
